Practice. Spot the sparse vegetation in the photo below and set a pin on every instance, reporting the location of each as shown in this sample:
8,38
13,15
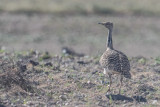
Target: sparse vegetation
142,61
157,60
69,85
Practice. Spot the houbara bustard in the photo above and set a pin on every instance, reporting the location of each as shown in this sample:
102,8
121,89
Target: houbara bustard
114,61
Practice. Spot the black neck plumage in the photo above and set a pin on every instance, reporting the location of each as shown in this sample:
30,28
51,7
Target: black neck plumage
109,41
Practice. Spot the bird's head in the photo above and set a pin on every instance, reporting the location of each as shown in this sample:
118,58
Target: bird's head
108,25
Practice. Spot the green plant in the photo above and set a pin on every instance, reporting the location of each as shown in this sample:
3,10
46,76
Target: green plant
79,85
122,91
142,61
99,87
24,101
110,99
49,94
46,56
102,88
50,76
101,74
157,60
2,51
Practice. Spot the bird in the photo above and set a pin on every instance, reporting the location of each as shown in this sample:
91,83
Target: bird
114,61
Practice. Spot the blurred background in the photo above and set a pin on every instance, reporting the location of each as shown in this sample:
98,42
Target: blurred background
49,25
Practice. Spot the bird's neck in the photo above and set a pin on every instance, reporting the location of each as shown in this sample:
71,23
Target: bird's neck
109,41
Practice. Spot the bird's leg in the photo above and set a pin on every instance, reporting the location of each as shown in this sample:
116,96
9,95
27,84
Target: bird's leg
110,82
121,79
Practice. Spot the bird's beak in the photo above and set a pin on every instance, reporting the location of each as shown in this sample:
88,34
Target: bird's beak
102,23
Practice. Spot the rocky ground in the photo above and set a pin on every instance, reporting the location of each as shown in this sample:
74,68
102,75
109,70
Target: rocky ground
31,78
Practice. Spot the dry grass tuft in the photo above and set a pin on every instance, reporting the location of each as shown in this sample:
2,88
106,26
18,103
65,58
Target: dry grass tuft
12,75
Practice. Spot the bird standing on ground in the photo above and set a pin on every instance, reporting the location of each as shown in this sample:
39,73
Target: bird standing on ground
114,61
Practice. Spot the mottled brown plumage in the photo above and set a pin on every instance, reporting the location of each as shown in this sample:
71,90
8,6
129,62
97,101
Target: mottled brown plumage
113,61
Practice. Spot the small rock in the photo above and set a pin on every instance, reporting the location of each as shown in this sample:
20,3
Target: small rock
63,97
30,103
38,97
34,63
145,87
66,104
82,62
88,82
154,102
139,98
48,64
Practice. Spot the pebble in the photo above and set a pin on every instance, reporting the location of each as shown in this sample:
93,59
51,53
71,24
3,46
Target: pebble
63,97
154,102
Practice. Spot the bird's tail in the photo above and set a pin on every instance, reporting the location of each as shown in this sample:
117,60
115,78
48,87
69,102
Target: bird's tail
127,75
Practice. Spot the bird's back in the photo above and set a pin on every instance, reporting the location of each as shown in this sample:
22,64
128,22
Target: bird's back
116,62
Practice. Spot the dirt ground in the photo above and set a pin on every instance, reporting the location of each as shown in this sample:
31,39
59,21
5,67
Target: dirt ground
39,79
34,72
134,35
